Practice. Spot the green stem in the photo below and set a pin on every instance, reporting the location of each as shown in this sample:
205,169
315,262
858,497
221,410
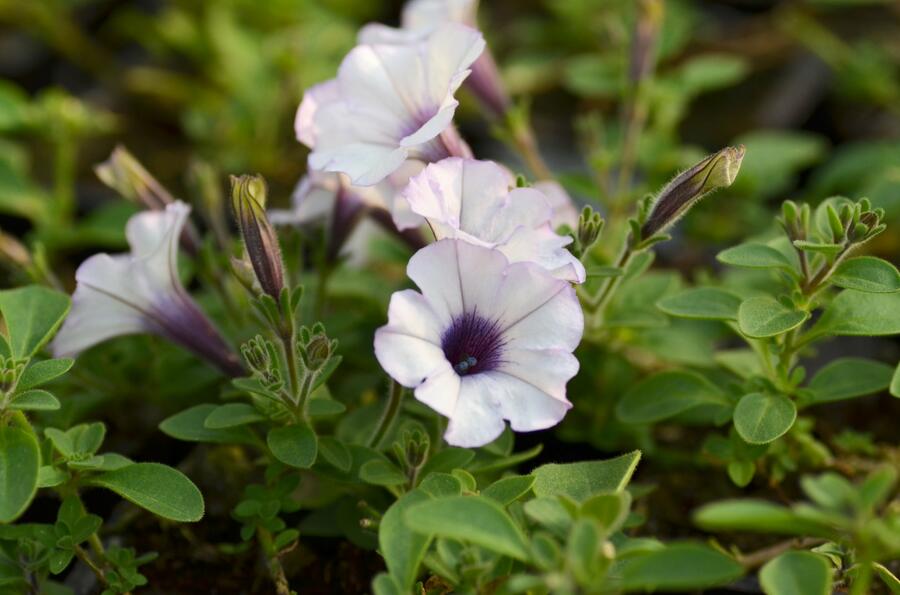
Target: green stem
276,570
863,579
601,300
290,357
64,179
89,562
395,396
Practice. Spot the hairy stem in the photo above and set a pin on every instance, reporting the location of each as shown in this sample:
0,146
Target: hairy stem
273,563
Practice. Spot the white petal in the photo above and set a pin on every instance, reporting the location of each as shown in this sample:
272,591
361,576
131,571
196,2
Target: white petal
441,390
526,406
539,311
408,359
457,277
564,209
408,347
312,200
376,33
419,14
410,312
314,97
103,306
154,237
476,419
546,369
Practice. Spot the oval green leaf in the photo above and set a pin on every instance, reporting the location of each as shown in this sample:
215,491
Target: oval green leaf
582,480
679,566
295,446
797,573
35,400
160,489
232,415
509,489
472,519
756,516
754,256
20,461
702,303
760,418
764,316
32,314
855,313
402,548
39,373
849,377
189,425
665,395
867,273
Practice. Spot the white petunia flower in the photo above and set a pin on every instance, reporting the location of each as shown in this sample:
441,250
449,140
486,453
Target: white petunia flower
564,210
474,201
140,292
389,103
420,18
484,341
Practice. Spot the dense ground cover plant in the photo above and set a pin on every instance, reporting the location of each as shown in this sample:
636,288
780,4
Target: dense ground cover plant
427,368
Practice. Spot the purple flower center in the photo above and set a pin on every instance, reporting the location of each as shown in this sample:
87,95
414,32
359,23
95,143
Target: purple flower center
473,344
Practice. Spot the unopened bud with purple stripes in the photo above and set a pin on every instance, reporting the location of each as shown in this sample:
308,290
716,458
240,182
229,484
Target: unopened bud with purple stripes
715,171
248,201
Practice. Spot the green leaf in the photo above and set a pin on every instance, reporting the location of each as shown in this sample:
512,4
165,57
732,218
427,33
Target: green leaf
384,584
334,451
756,516
854,313
87,438
189,425
232,415
582,480
583,551
665,395
509,489
35,400
32,314
324,407
703,303
39,373
796,573
447,460
764,316
295,446
888,578
828,249
381,472
849,377
49,477
162,490
610,510
754,256
401,547
679,566
20,461
472,519
439,485
867,273
741,472
760,418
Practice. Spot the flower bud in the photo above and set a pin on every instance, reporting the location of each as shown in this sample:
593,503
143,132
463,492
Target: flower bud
318,352
13,251
124,173
248,201
716,171
590,224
